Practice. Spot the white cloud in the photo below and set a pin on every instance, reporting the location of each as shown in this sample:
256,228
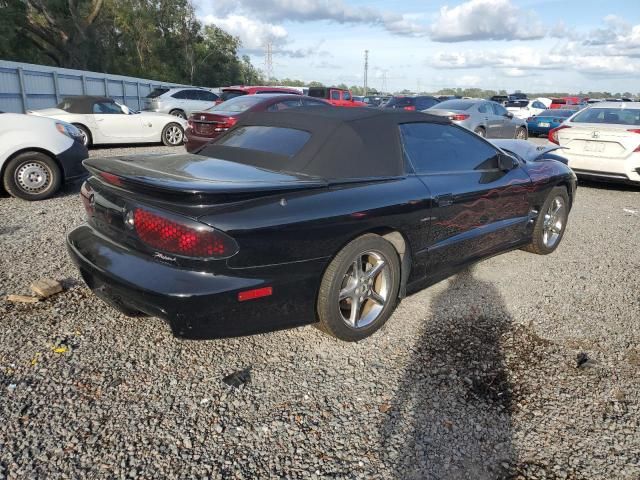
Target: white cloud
486,20
253,34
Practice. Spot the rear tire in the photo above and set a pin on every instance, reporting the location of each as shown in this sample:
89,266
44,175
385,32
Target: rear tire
32,176
551,223
178,113
172,135
359,289
481,132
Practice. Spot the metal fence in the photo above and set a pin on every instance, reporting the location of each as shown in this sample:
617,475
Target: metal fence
24,86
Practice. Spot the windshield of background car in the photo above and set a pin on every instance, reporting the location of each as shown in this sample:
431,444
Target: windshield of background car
454,105
229,94
618,116
556,113
237,104
278,140
156,92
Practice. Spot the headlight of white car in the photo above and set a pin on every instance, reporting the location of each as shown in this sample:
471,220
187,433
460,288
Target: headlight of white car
69,130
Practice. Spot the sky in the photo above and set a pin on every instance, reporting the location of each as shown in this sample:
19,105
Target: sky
532,46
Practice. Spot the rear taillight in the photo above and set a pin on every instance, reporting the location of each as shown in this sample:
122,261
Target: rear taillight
458,117
111,178
410,108
553,134
530,119
183,237
228,123
635,130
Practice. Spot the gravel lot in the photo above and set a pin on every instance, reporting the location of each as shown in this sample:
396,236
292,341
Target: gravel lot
473,378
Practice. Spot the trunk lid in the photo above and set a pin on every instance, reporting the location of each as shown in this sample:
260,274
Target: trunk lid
194,177
599,140
212,124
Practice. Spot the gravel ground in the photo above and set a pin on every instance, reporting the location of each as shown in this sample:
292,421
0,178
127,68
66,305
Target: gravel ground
473,378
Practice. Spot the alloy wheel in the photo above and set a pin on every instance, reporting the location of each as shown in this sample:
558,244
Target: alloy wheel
365,289
33,177
553,222
173,134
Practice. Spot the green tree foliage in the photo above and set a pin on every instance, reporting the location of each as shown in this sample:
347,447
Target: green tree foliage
160,39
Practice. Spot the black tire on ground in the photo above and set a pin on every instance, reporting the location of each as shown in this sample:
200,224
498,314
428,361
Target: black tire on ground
538,244
32,176
87,140
522,133
330,308
178,113
172,135
480,131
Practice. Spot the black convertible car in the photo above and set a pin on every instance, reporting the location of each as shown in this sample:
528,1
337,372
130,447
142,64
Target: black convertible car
312,215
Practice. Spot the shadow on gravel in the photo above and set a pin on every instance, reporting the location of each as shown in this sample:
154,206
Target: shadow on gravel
622,187
450,418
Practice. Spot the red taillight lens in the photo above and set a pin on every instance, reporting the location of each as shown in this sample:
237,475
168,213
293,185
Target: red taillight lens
253,294
185,238
458,117
111,178
410,108
553,134
635,130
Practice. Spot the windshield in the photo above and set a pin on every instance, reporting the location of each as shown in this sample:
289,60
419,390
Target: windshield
156,92
617,116
454,105
229,94
556,113
237,104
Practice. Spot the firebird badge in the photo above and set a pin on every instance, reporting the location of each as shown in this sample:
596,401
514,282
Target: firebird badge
595,134
164,257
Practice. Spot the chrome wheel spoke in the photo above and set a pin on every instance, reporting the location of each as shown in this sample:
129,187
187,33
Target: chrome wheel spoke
373,272
347,292
354,315
376,297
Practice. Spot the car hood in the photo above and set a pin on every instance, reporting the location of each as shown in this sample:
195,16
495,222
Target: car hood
525,149
48,112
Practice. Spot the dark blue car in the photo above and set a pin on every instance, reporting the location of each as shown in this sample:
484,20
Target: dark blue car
547,120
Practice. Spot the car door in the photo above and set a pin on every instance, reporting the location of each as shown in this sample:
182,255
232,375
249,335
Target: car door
507,124
114,125
493,122
478,208
334,96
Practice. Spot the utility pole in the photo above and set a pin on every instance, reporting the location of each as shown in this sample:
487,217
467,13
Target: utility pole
268,61
384,81
366,71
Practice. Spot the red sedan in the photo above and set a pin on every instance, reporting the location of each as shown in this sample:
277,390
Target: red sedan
203,127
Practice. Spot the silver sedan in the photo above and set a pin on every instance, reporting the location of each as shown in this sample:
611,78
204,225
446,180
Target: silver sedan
487,119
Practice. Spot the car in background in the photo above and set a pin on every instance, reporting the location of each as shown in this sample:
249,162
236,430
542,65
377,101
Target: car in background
442,98
517,96
180,102
487,119
358,98
566,101
414,103
527,108
38,155
602,142
501,99
338,97
102,120
310,216
209,124
238,91
544,122
374,100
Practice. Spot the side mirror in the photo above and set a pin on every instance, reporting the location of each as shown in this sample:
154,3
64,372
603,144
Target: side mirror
506,162
125,109
508,115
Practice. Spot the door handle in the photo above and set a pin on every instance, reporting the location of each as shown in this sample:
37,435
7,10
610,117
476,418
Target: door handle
444,200
99,119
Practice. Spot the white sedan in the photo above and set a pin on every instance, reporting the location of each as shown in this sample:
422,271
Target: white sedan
102,121
603,141
528,108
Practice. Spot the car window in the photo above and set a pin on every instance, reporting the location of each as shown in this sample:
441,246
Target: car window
156,92
538,105
313,103
335,95
618,116
229,94
281,141
284,105
498,109
436,148
422,103
317,92
237,104
106,108
484,108
208,96
195,95
346,96
180,95
455,105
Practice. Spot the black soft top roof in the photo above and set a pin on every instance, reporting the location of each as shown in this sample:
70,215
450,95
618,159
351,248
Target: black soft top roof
345,142
82,103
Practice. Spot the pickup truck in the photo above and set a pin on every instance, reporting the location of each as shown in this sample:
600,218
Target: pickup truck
335,96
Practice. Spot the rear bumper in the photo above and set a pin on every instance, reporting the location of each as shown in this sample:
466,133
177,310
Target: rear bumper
197,305
193,142
625,170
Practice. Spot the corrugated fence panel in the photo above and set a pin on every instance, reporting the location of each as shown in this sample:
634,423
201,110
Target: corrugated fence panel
24,86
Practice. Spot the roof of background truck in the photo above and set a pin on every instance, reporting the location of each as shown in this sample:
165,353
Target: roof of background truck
344,142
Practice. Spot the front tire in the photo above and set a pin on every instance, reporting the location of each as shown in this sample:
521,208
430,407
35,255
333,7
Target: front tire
551,223
32,176
359,289
172,135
